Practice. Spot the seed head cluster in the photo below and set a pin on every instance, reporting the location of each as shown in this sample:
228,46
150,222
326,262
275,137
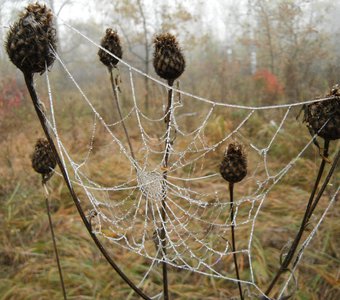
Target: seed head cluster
30,39
168,60
110,42
317,114
43,160
233,167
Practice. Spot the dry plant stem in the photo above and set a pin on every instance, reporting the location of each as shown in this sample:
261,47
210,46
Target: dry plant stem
55,248
37,106
324,185
322,189
114,89
165,176
231,192
309,210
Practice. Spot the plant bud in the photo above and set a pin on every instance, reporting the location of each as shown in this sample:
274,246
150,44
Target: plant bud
30,39
317,114
110,42
43,160
168,60
234,164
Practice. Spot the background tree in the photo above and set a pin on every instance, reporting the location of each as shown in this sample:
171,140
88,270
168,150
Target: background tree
138,23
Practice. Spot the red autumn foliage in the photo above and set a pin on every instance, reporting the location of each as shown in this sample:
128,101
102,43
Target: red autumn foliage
268,82
11,95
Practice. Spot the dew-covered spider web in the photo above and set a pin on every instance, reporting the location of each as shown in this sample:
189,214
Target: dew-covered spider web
123,192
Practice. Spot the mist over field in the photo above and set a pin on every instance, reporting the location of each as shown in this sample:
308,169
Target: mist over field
200,139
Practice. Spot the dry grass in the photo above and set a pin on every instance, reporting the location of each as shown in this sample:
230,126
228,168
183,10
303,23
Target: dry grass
27,266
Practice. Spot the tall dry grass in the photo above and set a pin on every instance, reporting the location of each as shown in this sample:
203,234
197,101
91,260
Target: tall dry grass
27,266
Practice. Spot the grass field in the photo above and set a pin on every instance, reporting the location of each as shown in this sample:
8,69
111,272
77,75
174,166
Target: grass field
278,52
27,266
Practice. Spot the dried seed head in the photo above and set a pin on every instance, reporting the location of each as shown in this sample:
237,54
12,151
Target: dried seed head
110,42
43,160
168,60
317,114
234,164
30,39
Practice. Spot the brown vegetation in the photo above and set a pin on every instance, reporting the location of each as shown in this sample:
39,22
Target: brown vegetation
294,67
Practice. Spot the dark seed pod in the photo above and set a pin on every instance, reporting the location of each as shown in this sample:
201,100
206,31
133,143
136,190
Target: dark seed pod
234,164
43,160
168,60
110,42
30,39
317,114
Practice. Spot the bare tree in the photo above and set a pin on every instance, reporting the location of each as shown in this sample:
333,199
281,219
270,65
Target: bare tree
138,23
290,43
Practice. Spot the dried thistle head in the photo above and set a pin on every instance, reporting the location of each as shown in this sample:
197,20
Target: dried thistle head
233,167
30,39
110,42
168,60
323,117
43,160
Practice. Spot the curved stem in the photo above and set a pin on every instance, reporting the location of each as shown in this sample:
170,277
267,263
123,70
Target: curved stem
115,93
55,248
37,106
167,120
231,192
308,212
324,185
322,189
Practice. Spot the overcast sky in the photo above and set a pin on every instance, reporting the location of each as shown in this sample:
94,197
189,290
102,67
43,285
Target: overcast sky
84,10
216,17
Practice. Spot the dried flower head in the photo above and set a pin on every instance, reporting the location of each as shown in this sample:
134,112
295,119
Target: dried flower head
323,117
43,160
30,39
233,167
110,42
168,60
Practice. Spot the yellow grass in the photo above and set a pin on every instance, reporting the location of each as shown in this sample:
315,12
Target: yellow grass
27,266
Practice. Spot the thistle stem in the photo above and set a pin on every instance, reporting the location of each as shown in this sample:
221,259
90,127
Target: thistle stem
167,120
231,193
323,187
115,94
308,212
42,119
55,244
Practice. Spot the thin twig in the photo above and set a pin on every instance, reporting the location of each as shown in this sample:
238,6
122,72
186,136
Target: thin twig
231,192
55,244
115,93
37,106
322,189
165,176
304,222
324,185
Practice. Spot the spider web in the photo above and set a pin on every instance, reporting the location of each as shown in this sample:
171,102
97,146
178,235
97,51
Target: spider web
125,191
